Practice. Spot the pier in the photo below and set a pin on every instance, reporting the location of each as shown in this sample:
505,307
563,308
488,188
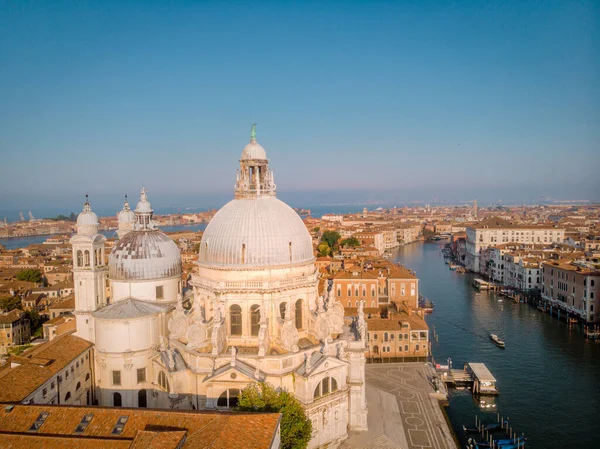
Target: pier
476,376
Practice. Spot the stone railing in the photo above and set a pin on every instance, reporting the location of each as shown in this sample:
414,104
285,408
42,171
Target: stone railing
254,285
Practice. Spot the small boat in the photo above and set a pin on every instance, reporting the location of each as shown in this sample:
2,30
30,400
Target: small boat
468,430
508,441
497,341
493,427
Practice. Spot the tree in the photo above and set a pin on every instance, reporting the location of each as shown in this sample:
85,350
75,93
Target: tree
317,229
351,241
30,275
323,249
196,247
331,238
35,321
8,303
296,428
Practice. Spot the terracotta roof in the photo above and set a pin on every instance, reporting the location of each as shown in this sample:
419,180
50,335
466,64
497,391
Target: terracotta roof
68,304
19,382
144,428
10,317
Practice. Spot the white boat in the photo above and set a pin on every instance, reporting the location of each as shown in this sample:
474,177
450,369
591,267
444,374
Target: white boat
497,340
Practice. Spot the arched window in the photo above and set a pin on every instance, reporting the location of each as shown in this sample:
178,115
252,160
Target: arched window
86,258
67,396
163,381
298,314
117,400
282,307
87,376
592,282
78,386
376,349
79,258
254,319
326,386
142,401
235,320
243,253
290,251
229,398
385,336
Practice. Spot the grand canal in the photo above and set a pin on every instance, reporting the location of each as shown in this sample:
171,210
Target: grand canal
548,376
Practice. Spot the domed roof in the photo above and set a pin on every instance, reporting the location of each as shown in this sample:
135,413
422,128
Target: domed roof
87,217
144,254
253,151
256,232
126,215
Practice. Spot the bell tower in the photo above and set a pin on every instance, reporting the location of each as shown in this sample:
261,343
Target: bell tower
89,271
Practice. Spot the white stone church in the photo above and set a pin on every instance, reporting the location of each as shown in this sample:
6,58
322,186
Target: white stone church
253,313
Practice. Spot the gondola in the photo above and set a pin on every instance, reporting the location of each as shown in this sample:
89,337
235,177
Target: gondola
468,430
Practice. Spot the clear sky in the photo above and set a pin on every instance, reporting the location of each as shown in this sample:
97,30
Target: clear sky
413,100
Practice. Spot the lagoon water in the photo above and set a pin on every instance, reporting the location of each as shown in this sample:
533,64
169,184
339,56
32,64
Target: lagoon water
23,242
548,375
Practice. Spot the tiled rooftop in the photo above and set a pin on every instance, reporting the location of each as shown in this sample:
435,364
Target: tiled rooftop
144,428
19,382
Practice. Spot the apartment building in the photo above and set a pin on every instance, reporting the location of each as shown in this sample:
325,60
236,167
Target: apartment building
14,329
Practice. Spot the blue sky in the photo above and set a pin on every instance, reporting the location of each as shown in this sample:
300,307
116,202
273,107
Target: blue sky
405,100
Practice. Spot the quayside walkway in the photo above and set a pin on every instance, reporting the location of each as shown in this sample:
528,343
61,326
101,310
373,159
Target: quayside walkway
402,414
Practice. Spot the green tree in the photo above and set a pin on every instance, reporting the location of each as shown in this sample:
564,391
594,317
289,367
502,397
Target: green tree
8,303
331,238
323,249
30,275
296,428
317,229
196,247
351,241
35,321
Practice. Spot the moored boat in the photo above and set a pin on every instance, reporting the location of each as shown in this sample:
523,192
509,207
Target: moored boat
497,341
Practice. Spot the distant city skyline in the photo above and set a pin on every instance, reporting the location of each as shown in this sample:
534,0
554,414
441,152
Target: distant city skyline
383,102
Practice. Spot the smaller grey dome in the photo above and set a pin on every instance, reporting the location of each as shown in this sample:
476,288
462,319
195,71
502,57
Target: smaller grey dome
144,255
126,215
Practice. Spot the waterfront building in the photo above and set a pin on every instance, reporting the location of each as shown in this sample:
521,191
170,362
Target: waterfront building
572,286
402,336
494,230
253,312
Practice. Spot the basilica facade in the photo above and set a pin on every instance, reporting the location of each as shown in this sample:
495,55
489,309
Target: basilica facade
253,312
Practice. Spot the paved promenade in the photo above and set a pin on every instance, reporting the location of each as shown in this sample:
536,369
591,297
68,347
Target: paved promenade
402,415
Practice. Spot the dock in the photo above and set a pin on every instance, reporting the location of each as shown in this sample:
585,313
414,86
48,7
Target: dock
476,376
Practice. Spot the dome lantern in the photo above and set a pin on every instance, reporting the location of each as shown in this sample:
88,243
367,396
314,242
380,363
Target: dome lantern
254,178
87,221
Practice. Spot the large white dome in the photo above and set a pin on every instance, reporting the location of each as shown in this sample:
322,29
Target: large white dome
144,255
256,232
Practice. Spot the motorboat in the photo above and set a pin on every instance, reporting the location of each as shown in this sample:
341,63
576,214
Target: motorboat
497,341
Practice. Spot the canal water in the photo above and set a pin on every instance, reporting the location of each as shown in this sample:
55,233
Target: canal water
548,375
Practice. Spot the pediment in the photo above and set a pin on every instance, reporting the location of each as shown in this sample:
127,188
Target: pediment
319,364
240,372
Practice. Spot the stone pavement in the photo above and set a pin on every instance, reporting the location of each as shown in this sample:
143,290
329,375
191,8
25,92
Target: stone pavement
402,415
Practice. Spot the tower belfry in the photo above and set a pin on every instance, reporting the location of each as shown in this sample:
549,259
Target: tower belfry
89,270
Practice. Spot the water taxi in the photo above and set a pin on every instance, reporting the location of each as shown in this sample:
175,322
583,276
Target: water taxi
497,340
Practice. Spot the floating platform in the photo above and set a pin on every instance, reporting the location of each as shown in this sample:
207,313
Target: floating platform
476,376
